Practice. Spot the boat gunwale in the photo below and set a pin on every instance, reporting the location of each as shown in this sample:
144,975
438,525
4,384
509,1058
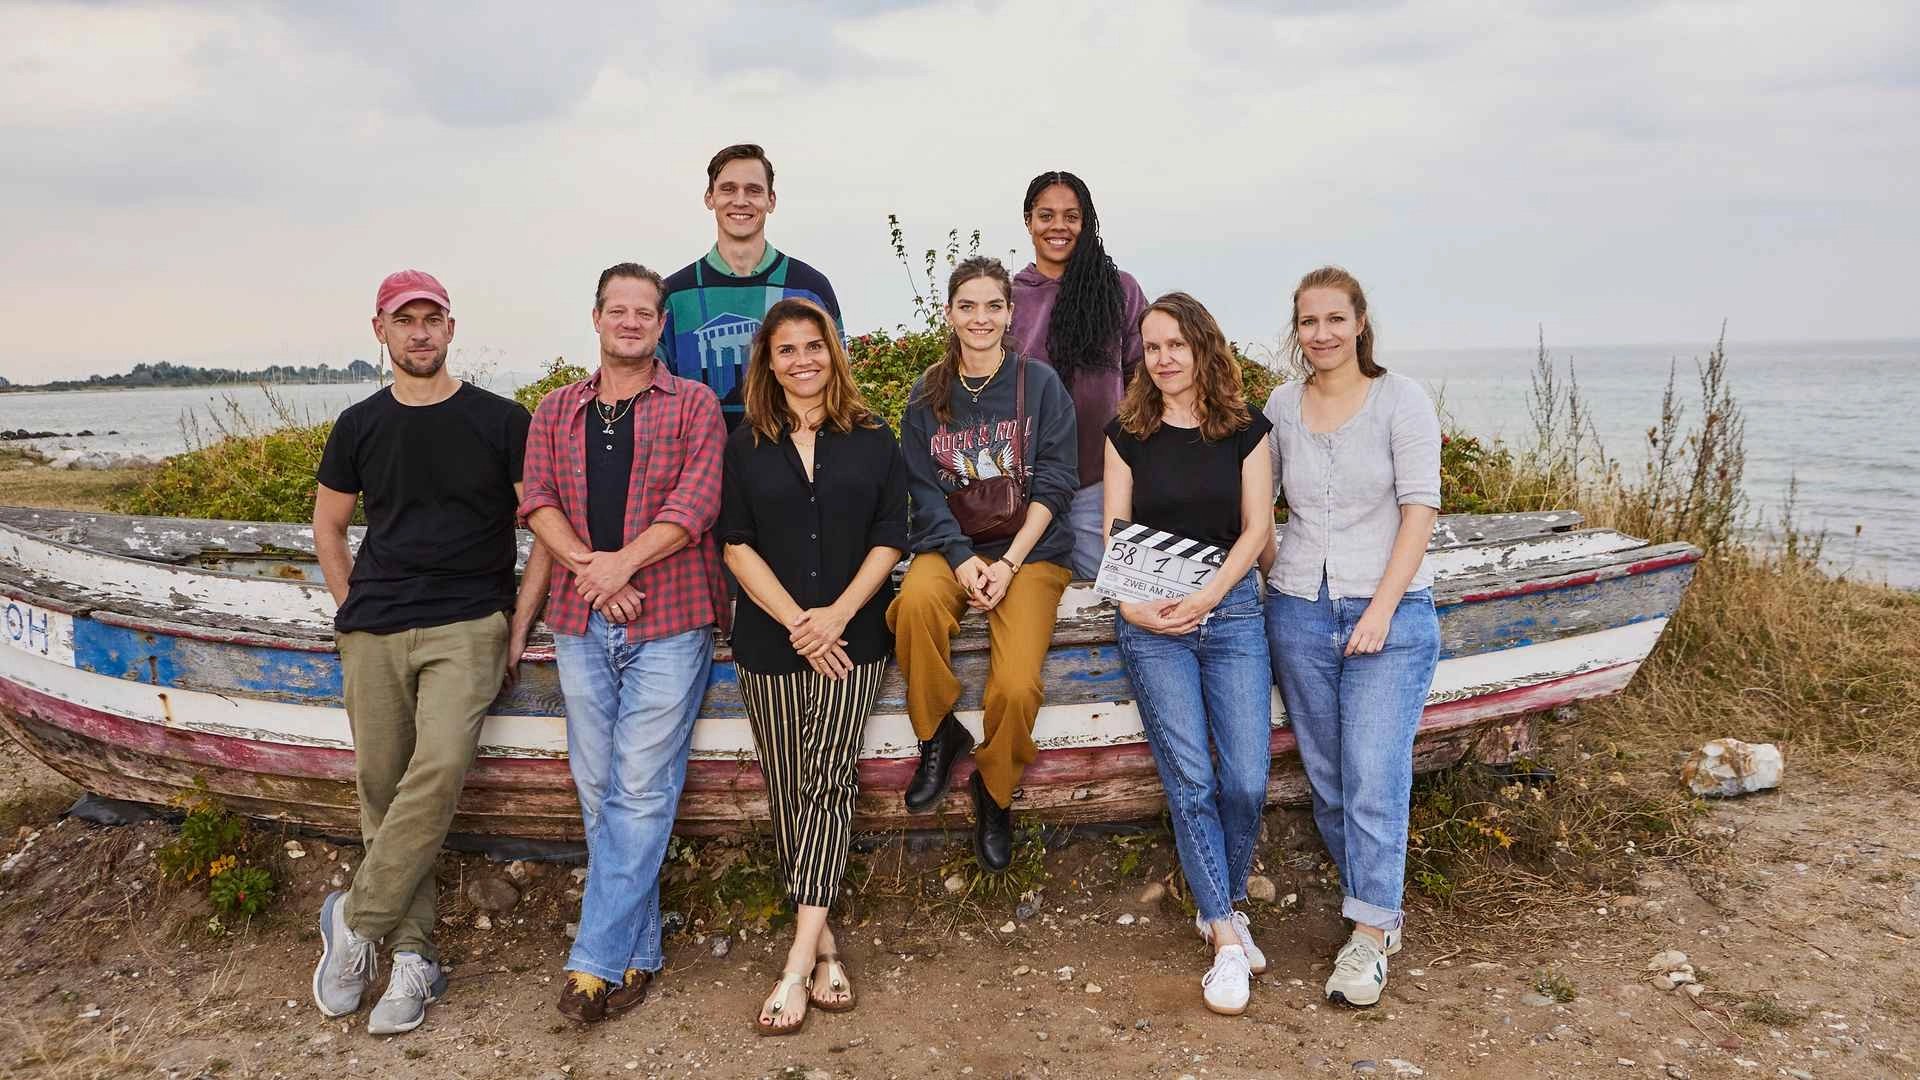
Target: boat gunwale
301,637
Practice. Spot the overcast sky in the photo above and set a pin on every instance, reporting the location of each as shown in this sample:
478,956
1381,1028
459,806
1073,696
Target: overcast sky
227,183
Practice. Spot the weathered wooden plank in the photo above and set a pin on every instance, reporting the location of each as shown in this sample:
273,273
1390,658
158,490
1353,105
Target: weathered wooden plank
1074,674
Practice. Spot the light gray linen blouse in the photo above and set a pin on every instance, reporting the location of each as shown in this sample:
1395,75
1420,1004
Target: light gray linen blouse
1345,488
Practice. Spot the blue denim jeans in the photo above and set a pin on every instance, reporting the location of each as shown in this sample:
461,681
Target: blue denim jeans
630,713
1355,718
1087,519
1211,685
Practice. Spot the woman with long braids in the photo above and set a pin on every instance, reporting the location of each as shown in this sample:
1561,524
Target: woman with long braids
1080,314
989,443
1350,619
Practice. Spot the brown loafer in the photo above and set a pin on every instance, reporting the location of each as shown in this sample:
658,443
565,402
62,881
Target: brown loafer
583,997
630,992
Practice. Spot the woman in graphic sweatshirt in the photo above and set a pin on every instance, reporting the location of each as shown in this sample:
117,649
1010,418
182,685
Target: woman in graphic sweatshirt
1077,312
959,430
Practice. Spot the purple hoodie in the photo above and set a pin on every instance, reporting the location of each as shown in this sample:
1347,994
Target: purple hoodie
1096,394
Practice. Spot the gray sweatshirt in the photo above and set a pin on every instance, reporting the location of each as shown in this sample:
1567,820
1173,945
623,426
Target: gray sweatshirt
978,444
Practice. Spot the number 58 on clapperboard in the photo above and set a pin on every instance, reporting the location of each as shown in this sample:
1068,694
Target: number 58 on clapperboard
1142,563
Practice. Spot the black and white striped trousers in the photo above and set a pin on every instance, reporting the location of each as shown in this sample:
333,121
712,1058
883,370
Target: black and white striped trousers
808,728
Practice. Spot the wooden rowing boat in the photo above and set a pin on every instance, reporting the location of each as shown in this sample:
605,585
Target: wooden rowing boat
141,654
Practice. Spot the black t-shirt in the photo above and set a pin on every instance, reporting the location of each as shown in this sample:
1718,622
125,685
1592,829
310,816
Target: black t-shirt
1188,486
814,536
609,472
437,483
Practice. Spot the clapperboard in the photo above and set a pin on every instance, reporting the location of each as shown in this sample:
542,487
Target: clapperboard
1143,563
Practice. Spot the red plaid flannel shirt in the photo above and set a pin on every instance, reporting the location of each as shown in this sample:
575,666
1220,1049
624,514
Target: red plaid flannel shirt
678,446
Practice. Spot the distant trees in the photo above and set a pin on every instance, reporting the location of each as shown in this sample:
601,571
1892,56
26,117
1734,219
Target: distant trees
167,373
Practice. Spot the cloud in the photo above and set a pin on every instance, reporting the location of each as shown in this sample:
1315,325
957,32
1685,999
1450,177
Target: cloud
1625,171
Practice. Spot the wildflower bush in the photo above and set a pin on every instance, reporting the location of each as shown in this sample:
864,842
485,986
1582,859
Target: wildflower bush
213,847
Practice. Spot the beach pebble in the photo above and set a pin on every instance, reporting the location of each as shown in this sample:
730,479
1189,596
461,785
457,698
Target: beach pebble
481,922
1402,1067
1260,887
722,946
1008,927
1125,920
294,850
1095,988
1155,892
955,883
1365,1065
1063,973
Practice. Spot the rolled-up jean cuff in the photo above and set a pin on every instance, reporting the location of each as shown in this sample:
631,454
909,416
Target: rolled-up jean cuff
1377,917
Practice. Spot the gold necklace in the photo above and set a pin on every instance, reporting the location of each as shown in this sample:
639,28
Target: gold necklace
618,410
976,391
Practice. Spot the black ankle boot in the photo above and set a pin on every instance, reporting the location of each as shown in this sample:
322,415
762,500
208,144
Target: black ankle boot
992,829
937,756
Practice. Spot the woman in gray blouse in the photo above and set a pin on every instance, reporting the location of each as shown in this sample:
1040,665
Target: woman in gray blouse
1350,620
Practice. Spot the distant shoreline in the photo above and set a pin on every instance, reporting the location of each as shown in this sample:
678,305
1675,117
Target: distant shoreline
72,388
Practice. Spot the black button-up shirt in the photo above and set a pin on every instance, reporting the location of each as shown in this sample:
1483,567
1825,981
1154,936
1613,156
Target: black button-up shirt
813,534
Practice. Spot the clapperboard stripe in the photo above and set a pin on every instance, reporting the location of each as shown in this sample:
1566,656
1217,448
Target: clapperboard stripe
1169,543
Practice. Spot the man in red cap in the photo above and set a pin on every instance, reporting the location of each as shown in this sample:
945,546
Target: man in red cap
424,632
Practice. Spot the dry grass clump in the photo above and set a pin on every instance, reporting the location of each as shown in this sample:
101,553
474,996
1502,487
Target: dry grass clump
1489,849
30,483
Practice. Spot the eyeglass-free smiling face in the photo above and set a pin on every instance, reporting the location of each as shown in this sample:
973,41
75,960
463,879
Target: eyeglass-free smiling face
741,198
1168,356
1327,328
980,314
1054,224
416,336
628,319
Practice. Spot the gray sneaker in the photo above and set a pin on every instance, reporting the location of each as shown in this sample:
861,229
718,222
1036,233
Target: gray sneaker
347,961
416,983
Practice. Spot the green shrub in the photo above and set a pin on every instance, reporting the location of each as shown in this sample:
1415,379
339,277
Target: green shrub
210,846
241,890
559,373
236,468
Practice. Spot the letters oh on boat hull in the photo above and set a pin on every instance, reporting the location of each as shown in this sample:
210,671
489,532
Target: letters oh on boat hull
140,655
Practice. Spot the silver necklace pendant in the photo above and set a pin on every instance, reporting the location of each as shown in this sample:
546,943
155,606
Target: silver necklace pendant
607,430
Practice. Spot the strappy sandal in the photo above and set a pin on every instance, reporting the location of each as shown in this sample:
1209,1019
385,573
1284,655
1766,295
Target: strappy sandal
838,981
779,999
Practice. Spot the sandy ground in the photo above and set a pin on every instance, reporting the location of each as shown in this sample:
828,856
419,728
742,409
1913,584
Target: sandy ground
1816,904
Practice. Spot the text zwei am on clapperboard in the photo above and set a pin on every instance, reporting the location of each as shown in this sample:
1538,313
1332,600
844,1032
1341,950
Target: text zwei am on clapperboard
1141,563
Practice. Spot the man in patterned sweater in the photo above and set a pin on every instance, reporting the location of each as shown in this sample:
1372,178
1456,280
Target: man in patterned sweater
715,304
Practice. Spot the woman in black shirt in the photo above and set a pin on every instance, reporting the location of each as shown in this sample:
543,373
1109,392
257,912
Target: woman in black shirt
1186,456
813,519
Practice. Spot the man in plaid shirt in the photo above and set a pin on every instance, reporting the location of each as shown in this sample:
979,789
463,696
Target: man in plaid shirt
622,484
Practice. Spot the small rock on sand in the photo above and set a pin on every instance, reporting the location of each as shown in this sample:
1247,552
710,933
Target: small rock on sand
491,893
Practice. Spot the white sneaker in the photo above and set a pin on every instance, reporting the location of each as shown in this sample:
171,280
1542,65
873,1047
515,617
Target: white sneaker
1256,960
1359,973
1393,942
1228,984
416,983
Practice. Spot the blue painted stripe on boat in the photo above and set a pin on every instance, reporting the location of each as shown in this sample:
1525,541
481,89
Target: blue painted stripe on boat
291,675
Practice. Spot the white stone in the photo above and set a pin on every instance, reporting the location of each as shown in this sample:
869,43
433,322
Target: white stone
1727,767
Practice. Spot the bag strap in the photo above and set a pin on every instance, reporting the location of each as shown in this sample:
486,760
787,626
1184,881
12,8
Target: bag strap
1020,472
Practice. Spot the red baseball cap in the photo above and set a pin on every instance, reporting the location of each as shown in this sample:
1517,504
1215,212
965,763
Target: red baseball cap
405,286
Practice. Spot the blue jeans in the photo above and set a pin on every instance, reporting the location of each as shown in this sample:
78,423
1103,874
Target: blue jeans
1086,518
1213,682
630,713
1355,718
